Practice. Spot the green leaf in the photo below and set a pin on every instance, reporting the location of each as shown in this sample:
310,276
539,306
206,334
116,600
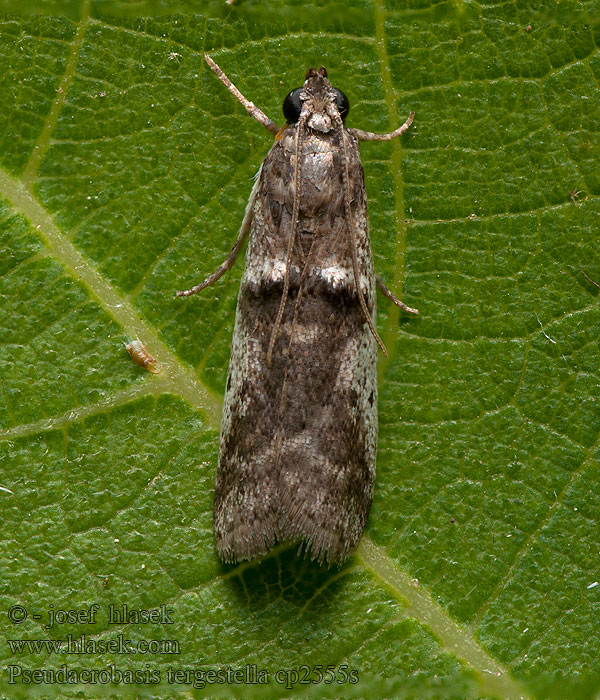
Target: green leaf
125,167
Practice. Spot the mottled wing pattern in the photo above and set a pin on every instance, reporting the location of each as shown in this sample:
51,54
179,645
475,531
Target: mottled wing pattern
298,439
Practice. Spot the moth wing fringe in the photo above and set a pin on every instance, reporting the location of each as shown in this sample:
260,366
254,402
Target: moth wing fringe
319,542
322,545
244,543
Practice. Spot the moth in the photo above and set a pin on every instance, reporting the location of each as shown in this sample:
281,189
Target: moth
299,426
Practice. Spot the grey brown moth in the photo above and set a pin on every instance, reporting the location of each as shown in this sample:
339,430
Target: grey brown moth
299,426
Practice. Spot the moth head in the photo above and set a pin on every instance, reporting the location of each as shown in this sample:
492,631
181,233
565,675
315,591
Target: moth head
316,101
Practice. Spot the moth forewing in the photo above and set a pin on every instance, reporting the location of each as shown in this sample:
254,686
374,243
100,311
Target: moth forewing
299,428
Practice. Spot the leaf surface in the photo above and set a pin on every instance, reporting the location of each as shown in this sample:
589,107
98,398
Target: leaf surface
125,167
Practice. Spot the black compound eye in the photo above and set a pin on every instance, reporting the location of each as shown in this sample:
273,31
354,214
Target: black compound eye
292,106
342,103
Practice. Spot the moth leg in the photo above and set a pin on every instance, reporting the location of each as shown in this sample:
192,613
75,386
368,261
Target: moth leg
381,284
251,108
370,136
237,246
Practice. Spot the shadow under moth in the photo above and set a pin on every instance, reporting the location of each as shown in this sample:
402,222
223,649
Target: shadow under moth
299,427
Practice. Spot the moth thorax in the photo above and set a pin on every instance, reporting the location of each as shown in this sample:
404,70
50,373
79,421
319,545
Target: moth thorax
320,121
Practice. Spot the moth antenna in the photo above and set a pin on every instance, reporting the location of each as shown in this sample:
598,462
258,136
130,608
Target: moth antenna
345,178
589,279
286,283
